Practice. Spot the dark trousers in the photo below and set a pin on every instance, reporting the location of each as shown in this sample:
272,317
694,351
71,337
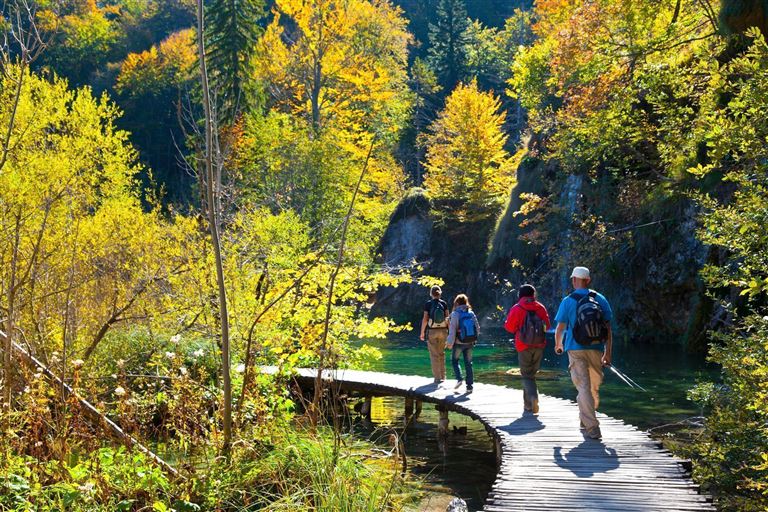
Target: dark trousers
466,351
530,362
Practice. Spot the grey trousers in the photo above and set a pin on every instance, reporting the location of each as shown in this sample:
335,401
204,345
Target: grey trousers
530,362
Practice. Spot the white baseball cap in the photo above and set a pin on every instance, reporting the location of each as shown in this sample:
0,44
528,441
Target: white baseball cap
580,272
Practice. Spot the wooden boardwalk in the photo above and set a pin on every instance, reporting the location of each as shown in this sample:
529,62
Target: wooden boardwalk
545,461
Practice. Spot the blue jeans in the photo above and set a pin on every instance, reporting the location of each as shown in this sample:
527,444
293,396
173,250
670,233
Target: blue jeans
466,350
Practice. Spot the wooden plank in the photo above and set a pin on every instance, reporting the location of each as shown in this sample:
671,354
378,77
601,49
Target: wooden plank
626,471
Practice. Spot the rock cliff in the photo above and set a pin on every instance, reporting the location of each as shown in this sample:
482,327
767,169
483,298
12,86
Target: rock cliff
646,263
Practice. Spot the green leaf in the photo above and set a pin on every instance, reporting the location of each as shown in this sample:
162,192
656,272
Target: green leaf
186,506
124,506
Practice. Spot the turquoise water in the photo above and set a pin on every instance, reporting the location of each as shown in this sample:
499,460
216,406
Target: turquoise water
667,372
464,464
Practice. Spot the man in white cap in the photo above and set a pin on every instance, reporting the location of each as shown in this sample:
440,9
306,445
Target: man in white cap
584,331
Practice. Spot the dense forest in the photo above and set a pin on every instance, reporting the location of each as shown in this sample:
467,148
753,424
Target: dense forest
192,190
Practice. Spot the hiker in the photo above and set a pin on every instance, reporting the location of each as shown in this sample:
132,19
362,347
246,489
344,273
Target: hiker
584,320
462,336
529,321
434,329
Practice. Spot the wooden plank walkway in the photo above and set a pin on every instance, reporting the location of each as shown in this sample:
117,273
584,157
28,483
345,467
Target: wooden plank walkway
546,462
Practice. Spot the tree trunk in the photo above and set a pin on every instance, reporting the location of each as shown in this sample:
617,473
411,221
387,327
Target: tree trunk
212,200
9,326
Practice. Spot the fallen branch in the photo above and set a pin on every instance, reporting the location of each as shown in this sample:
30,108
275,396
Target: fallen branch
91,412
695,421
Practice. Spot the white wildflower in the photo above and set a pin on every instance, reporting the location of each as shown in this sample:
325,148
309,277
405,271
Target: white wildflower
77,363
183,370
119,391
175,339
87,487
120,363
170,355
198,353
240,368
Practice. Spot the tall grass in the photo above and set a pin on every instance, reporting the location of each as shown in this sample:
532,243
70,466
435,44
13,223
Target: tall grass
276,463
300,472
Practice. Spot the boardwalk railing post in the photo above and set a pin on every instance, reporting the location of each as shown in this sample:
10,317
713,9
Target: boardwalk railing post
442,424
408,407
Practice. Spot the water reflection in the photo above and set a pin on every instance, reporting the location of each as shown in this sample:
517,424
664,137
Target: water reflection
460,463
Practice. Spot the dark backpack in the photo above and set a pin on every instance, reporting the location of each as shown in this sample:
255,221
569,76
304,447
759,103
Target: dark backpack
532,332
591,327
437,314
467,327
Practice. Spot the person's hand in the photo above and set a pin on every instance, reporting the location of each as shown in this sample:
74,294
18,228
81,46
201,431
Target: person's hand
448,346
421,337
558,348
606,360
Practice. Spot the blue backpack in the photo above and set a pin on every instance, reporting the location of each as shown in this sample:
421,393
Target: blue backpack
467,327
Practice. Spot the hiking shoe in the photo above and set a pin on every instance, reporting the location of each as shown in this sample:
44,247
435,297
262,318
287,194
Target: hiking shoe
582,426
535,407
595,433
458,384
469,389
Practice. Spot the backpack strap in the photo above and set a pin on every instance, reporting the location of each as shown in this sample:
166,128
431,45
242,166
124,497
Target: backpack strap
577,296
517,304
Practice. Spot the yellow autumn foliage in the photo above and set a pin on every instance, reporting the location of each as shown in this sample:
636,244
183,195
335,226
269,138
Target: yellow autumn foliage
465,160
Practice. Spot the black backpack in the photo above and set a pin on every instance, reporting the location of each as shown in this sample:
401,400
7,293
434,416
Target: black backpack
591,327
532,332
437,314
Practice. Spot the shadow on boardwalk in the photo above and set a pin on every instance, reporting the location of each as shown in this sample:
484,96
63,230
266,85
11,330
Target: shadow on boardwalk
581,459
525,424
